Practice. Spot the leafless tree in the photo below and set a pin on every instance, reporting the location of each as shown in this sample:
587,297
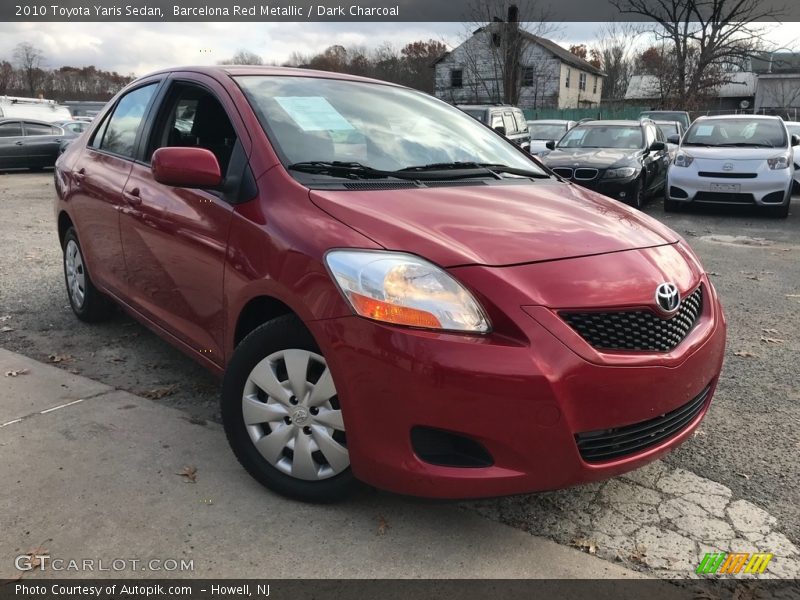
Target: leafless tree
615,53
703,35
6,76
29,60
243,57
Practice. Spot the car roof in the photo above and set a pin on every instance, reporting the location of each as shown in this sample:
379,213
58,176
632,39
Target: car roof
26,120
619,122
224,71
550,121
738,117
647,112
667,122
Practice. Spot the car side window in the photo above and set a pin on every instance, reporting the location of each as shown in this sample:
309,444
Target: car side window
497,121
120,134
510,124
522,124
193,117
38,129
11,129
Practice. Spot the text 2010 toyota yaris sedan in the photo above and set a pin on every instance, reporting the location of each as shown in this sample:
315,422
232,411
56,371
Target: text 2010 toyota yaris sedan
394,292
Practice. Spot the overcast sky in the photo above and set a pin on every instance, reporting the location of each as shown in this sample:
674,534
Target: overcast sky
143,47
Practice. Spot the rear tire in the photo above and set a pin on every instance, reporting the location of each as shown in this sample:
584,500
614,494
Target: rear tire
276,377
87,302
780,212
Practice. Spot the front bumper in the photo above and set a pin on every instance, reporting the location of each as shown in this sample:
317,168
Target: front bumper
523,397
768,188
623,190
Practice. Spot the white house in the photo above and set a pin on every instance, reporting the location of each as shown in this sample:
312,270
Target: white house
551,76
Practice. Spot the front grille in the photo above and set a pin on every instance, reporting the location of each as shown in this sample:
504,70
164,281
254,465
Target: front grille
729,197
607,444
563,172
585,174
639,330
725,175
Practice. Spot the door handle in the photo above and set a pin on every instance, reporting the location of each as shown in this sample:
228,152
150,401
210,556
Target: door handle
132,197
79,176
19,143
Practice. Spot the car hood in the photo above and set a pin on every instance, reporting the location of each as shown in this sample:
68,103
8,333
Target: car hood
494,224
727,153
598,158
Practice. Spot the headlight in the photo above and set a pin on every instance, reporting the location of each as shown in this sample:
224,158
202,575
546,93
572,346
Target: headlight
620,173
778,162
403,289
683,160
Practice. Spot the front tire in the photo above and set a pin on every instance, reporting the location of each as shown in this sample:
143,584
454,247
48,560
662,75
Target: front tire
638,199
781,212
87,302
282,416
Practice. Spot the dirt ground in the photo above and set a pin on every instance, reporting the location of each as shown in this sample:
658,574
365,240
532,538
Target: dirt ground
749,442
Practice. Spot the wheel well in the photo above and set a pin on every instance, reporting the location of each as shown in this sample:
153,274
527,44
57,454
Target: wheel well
64,223
256,312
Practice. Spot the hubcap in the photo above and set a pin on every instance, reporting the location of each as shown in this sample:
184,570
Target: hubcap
76,275
292,415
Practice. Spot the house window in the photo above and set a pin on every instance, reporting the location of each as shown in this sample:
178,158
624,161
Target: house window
594,85
582,81
527,76
569,74
457,78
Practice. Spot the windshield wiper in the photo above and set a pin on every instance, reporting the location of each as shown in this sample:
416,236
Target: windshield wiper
703,144
348,170
492,168
747,145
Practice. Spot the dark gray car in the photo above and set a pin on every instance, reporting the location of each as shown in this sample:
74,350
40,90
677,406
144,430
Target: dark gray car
30,144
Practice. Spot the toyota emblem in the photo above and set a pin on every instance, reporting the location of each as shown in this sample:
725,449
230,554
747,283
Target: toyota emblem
727,167
668,298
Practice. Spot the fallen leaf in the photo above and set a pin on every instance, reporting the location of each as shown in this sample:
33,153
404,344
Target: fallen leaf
713,274
754,277
4,318
383,525
17,372
691,233
586,544
59,358
793,295
160,392
638,555
745,475
769,340
775,331
190,473
699,433
745,354
6,329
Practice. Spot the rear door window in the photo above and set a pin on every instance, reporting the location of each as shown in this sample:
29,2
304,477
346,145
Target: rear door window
38,129
509,123
123,127
11,129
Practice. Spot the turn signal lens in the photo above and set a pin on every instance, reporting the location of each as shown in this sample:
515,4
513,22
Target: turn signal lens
391,313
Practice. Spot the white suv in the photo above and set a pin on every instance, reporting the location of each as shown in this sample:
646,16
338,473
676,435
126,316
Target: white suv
734,159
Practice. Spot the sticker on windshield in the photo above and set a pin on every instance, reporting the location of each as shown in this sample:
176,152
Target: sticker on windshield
313,113
704,130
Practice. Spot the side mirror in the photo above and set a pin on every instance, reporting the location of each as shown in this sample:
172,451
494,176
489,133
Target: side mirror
674,139
795,140
500,129
550,144
657,146
186,167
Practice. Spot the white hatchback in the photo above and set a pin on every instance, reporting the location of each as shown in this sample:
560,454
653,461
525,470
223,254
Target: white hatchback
734,160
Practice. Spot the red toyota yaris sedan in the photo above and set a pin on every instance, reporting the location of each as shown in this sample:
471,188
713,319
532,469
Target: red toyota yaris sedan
394,292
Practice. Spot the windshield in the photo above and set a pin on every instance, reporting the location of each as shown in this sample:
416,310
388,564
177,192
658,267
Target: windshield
376,126
668,129
793,129
603,136
768,133
546,131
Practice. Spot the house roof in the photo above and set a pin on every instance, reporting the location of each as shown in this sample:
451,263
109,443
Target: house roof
738,85
559,52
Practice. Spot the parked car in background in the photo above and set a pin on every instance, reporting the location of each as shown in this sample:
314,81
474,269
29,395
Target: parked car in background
673,132
668,115
14,107
29,144
505,119
73,127
625,160
545,130
793,127
440,317
734,160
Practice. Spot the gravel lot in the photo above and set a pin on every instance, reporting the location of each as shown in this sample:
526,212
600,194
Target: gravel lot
749,441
